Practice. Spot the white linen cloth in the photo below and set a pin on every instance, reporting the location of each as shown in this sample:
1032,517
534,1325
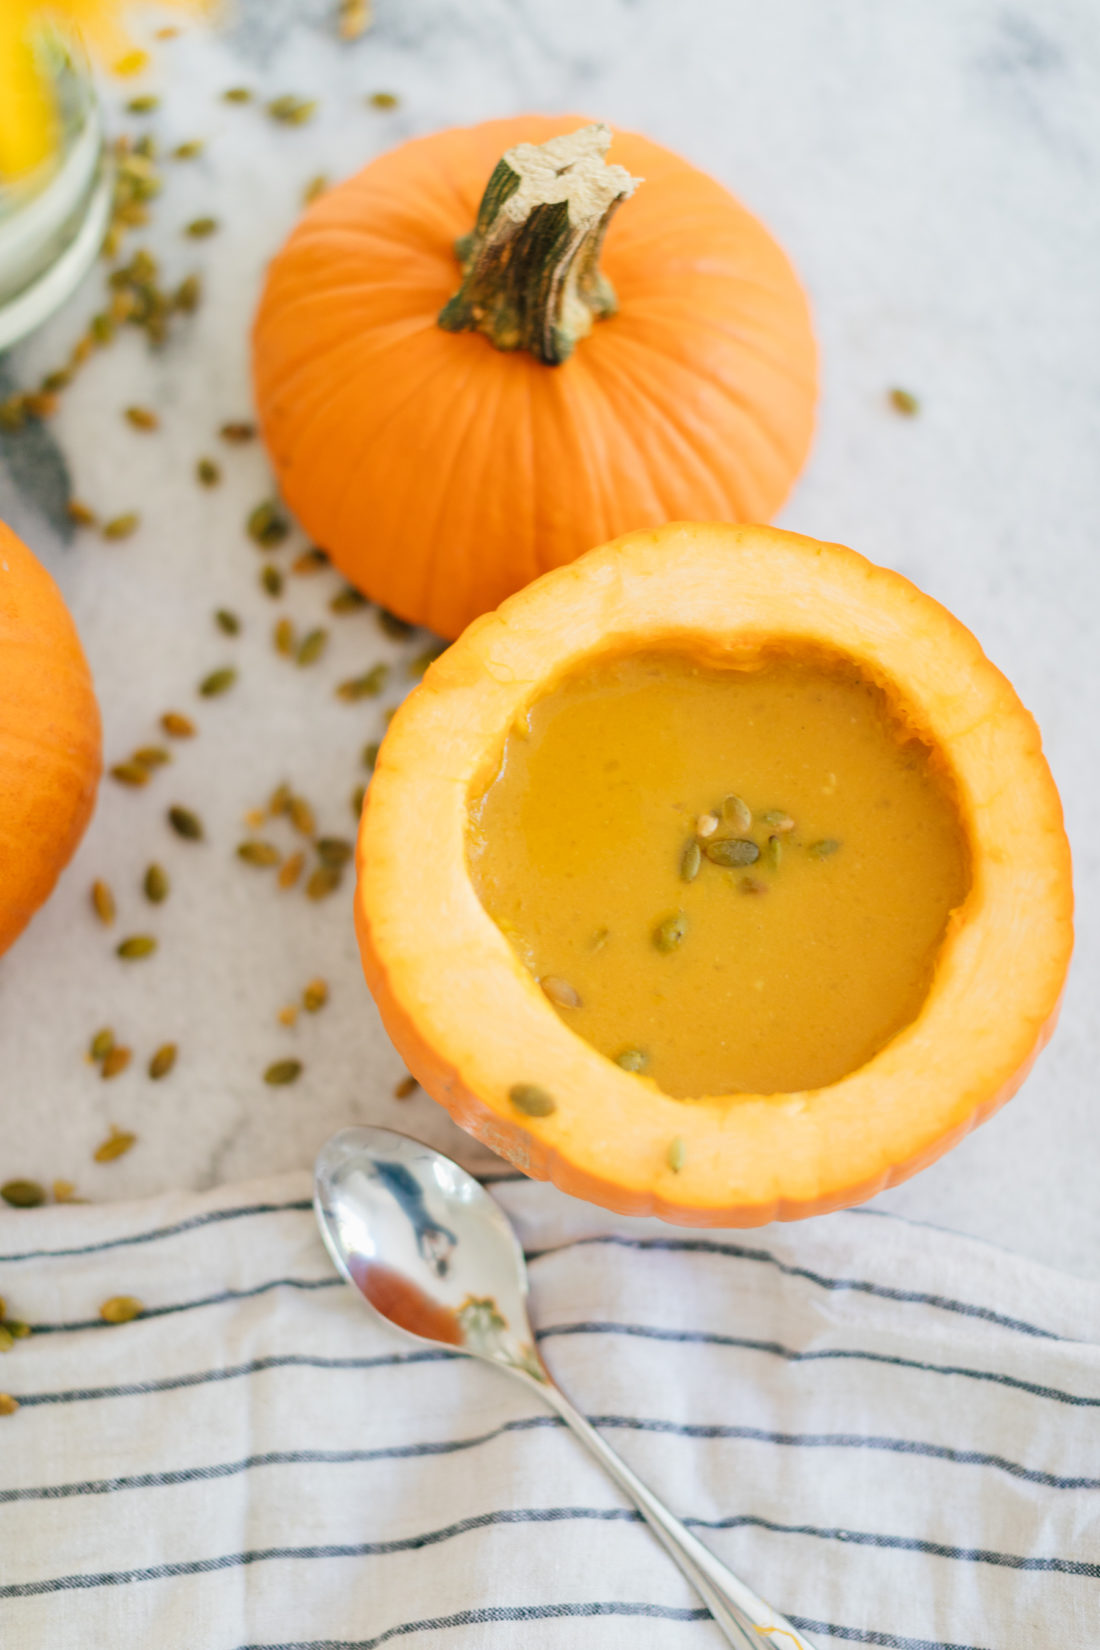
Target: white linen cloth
889,1431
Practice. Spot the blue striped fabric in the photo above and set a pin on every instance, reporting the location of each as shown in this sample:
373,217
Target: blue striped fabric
886,1429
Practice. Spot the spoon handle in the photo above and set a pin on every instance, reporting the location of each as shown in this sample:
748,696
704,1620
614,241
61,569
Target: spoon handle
746,1620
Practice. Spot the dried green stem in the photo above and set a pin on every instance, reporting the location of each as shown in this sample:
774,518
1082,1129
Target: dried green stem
531,276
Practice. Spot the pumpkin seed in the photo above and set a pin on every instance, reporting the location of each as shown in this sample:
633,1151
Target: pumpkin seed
357,798
151,756
130,773
237,433
218,682
101,1044
732,850
17,1329
143,105
383,100
633,1059
22,1194
121,1309
187,295
186,824
138,945
670,932
237,94
367,686
674,1157
162,1061
690,861
156,885
355,18
117,1144
310,561
600,939
407,1086
825,848
532,1100
282,1072
736,812
227,621
334,850
188,150
315,996
370,754
258,853
63,1192
8,1404
266,525
271,579
323,881
397,629
200,228
777,820
288,1015
178,726
7,1339
142,418
121,527
80,513
904,402
283,638
291,870
115,1060
773,852
279,801
348,600
292,111
209,474
103,902
315,188
301,816
706,825
311,647
560,992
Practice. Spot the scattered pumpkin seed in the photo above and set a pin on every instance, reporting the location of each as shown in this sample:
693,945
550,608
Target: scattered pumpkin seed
143,105
162,1061
367,686
560,992
188,295
237,433
370,754
633,1059
301,816
904,402
121,527
218,682
731,850
64,1192
323,881
101,1044
737,813
311,647
271,579
117,1144
121,1309
7,1339
8,1404
178,726
115,1060
156,885
825,848
279,801
151,756
348,600
383,100
200,228
406,1087
291,869
397,629
690,861
777,820
315,188
357,798
283,638
310,561
208,473
103,902
600,938
670,932
186,824
258,853
142,418
188,150
138,945
773,852
706,825
22,1194
532,1100
334,850
315,996
674,1157
282,1072
227,622
291,110
288,1015
80,513
237,94
355,18
130,773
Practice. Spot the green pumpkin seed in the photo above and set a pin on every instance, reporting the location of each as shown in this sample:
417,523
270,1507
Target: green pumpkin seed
121,527
291,111
186,824
312,646
103,902
255,852
266,525
776,820
669,933
102,1043
736,812
773,852
732,850
237,94
271,579
904,402
151,756
367,686
397,629
7,1339
22,1194
218,682
348,600
823,849
162,1061
121,1309
323,881
335,851
117,1144
227,622
560,992
674,1157
130,773
690,861
200,228
138,945
156,884
532,1100
282,1072
633,1059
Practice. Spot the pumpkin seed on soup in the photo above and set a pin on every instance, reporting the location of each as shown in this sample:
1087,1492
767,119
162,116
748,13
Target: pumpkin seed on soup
731,850
706,825
669,934
737,813
690,861
776,820
773,852
560,992
532,1099
633,1059
825,848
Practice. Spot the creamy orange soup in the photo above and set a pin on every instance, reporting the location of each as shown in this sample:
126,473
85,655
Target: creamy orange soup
729,880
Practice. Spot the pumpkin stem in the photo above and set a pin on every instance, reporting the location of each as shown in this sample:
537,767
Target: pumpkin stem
530,267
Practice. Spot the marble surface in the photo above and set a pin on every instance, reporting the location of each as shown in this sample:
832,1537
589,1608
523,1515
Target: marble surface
932,170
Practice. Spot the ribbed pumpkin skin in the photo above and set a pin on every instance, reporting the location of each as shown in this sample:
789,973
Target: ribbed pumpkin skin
442,474
49,736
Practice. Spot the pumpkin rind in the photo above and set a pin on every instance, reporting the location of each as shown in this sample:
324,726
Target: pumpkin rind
441,474
49,736
469,1019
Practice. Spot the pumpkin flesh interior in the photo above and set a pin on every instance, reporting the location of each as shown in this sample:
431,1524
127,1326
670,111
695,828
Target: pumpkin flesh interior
782,973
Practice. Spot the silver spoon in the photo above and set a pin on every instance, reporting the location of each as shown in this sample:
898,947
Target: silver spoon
435,1256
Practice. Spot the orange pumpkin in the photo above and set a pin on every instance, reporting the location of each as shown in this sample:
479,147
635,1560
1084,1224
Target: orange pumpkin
49,736
467,1014
666,371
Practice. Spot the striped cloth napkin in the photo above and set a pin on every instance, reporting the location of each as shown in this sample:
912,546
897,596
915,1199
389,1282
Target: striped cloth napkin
891,1432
